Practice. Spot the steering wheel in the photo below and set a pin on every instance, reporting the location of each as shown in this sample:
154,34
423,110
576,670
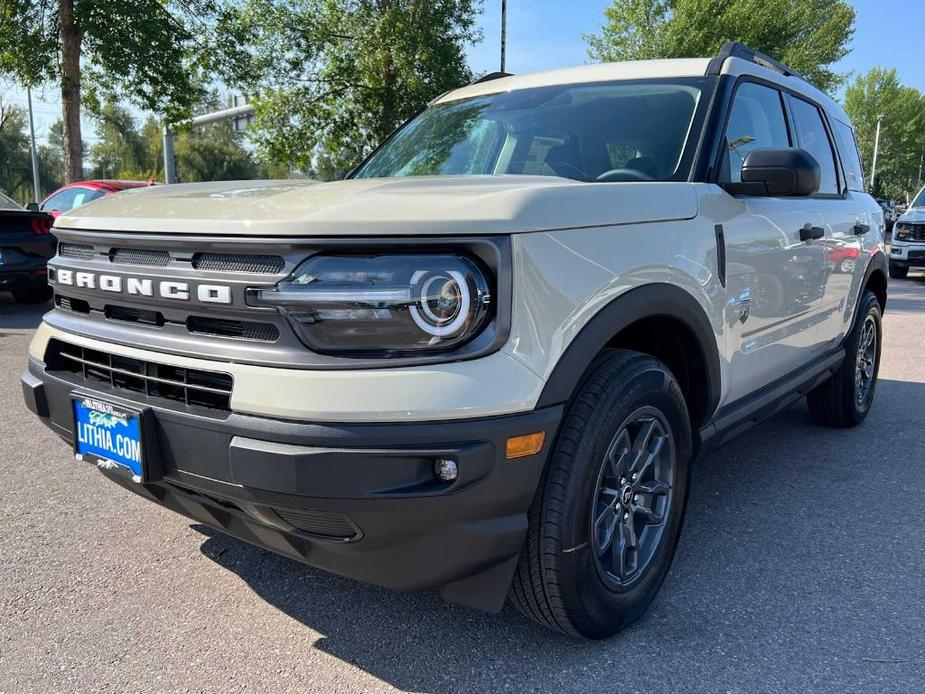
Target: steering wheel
615,175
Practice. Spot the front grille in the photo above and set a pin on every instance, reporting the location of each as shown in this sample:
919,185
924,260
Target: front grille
328,524
237,262
244,330
918,232
69,304
78,251
134,315
189,386
140,256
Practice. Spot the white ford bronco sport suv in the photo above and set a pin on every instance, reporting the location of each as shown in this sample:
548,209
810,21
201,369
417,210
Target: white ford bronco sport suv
907,248
486,361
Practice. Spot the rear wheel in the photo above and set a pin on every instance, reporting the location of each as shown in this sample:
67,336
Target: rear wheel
607,516
845,399
898,272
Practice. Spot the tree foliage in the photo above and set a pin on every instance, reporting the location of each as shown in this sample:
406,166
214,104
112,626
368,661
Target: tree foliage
16,157
808,35
209,153
902,137
332,78
154,53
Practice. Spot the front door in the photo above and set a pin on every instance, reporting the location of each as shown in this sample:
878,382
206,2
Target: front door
775,281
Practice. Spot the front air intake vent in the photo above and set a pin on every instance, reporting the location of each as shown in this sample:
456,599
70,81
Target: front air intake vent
331,525
237,262
242,330
78,251
90,367
140,256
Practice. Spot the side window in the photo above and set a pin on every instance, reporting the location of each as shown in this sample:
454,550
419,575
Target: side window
756,121
60,202
850,159
812,136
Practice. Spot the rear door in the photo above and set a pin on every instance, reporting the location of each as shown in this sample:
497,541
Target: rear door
846,219
775,282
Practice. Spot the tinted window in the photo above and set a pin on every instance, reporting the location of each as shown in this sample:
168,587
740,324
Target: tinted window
919,199
68,199
587,132
850,159
756,121
812,136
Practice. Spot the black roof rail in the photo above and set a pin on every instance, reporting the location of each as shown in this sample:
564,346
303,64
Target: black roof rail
488,77
734,49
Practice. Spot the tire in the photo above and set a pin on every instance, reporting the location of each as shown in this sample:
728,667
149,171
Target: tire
845,399
562,580
898,272
33,295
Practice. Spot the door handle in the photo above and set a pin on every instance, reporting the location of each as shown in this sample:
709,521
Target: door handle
809,233
861,229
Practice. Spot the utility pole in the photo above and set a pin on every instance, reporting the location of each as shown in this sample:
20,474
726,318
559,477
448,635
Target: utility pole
921,159
503,35
244,111
36,184
873,169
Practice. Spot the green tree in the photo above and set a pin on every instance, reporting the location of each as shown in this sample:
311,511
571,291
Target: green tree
902,137
332,78
120,151
154,52
16,157
808,35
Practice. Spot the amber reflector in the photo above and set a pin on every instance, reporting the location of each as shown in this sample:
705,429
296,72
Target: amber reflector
528,444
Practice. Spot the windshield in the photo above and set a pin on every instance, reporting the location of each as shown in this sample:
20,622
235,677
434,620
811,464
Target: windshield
919,199
621,131
8,204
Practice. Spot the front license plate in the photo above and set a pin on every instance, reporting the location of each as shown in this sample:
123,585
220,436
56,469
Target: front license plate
108,435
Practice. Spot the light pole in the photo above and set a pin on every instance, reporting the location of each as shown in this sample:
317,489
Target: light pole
873,168
503,35
36,187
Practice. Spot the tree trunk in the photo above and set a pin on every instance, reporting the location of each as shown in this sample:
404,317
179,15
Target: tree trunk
71,37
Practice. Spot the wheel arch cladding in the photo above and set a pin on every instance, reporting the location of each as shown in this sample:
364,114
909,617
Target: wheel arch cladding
876,280
657,319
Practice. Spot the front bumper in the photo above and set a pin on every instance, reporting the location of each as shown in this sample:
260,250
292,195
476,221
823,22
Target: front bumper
359,500
911,255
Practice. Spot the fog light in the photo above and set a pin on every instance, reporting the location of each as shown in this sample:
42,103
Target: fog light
446,470
528,444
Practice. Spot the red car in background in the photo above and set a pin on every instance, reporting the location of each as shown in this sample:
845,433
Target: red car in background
74,195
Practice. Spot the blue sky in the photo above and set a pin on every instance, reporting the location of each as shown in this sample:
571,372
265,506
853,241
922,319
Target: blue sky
545,34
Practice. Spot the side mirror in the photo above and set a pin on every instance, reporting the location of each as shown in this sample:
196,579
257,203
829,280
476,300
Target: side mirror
782,172
33,207
789,172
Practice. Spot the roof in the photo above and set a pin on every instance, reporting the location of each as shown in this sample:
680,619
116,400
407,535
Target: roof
112,184
602,72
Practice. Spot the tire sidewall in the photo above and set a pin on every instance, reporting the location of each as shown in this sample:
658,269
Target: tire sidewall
601,609
870,307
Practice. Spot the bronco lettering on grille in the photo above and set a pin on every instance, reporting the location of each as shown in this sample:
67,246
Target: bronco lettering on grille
142,286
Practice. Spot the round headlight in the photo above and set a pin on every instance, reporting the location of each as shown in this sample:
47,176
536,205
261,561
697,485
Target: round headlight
390,304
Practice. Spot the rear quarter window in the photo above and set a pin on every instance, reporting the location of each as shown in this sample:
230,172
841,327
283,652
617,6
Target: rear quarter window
851,160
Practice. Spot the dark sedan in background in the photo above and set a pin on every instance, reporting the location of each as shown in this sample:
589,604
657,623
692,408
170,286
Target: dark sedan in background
26,245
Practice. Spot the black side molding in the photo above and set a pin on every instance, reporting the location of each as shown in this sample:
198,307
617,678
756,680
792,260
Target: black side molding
720,254
738,416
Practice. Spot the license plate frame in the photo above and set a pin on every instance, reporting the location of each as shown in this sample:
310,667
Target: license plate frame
113,420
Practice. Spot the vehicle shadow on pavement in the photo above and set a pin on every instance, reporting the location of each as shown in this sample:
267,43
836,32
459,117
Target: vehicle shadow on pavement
16,316
790,571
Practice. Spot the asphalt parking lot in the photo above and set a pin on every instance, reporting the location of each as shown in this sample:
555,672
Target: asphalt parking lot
801,568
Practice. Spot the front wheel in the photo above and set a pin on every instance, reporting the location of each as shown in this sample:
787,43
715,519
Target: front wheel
607,516
845,399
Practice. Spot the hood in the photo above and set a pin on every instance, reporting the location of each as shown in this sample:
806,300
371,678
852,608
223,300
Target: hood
385,206
915,215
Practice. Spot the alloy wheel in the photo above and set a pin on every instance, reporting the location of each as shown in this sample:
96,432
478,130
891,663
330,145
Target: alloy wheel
632,497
